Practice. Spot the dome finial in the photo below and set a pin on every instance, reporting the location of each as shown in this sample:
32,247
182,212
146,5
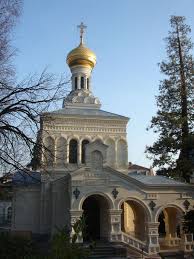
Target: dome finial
82,27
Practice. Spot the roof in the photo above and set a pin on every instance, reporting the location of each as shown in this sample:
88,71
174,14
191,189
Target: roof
87,112
156,180
137,167
26,178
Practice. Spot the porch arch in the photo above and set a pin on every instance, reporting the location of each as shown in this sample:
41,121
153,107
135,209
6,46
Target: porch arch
169,228
95,209
106,196
147,210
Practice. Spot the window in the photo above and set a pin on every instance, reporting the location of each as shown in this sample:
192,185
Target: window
82,82
73,151
88,83
84,143
75,83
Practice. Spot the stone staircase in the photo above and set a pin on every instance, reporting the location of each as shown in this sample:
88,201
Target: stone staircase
107,250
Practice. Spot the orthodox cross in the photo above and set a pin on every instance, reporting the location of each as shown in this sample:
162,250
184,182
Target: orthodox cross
82,27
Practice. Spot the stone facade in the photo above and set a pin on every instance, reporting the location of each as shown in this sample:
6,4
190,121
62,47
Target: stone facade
85,171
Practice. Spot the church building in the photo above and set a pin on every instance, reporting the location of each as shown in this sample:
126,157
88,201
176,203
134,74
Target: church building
85,172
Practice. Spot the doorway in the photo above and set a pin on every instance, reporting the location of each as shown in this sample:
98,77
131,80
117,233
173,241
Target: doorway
96,216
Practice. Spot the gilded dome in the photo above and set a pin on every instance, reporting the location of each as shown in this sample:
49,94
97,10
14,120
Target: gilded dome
81,56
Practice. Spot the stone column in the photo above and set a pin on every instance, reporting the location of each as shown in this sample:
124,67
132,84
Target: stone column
79,153
152,237
67,152
115,225
90,84
74,217
116,155
85,82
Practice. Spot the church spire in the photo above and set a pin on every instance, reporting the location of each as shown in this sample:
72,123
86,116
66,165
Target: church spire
82,27
81,61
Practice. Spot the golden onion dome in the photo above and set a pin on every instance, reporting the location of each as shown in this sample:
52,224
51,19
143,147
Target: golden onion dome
81,56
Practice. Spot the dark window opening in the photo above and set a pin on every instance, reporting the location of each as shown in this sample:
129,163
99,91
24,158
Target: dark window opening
82,82
75,83
73,151
84,143
88,83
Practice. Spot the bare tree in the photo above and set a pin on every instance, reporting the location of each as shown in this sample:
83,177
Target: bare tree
21,104
9,13
20,109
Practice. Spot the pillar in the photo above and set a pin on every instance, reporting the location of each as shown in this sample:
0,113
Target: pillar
67,152
152,237
115,225
78,82
79,153
74,217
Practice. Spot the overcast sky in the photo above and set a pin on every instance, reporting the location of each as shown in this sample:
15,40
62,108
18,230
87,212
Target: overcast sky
127,37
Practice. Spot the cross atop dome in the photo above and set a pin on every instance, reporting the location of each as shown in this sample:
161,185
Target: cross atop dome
82,28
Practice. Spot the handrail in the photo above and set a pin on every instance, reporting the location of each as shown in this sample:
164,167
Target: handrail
131,241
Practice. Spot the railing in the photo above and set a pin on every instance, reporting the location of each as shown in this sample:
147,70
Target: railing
171,241
130,240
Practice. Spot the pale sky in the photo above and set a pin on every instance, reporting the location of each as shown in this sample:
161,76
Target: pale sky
127,37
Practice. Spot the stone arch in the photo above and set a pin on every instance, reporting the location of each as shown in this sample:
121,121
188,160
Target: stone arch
106,196
133,218
169,229
61,146
110,151
84,142
160,209
96,211
122,156
49,156
98,138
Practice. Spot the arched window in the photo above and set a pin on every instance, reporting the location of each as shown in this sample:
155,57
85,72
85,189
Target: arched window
49,151
9,214
88,81
73,151
82,82
75,83
60,151
84,143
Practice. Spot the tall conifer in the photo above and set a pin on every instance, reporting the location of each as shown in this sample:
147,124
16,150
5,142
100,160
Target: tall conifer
174,121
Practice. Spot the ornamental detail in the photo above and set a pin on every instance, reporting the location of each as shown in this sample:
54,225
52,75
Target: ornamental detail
152,205
115,193
76,193
186,204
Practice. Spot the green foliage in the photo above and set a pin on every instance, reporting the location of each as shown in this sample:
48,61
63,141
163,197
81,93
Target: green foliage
188,222
174,121
15,247
65,246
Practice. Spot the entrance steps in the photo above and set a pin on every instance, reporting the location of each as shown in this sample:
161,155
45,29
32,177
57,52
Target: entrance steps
107,250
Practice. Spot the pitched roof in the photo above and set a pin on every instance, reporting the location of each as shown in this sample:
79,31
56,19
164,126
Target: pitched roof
156,180
87,112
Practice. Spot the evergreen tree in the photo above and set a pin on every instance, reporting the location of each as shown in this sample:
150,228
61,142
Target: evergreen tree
174,120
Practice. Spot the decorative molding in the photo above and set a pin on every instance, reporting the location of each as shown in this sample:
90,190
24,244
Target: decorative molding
152,205
115,193
151,196
76,193
186,204
185,195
